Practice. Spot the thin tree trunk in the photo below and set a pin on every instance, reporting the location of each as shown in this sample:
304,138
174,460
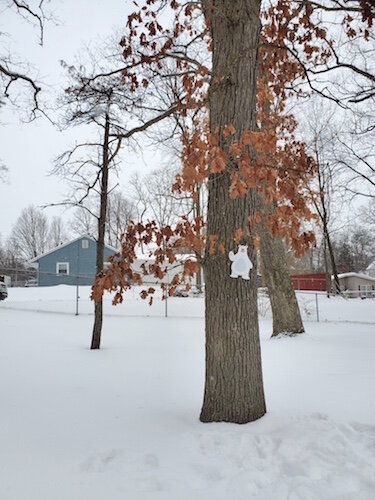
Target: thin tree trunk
233,383
336,282
198,279
286,316
323,213
98,322
326,269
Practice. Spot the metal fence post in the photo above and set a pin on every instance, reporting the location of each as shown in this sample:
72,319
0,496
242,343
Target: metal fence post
77,281
77,299
317,307
166,300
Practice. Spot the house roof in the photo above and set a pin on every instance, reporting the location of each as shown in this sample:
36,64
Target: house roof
85,236
356,275
371,266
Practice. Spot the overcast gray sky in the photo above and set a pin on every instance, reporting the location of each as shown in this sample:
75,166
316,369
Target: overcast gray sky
28,149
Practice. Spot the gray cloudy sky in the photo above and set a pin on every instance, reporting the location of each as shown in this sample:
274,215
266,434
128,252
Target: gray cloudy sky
28,149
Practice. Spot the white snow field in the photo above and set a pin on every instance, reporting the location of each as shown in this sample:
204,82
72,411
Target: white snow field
122,423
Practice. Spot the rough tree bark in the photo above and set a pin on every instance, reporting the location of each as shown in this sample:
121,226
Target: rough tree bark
286,316
233,383
98,322
197,211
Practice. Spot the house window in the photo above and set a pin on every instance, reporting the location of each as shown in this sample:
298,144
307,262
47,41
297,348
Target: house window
365,290
85,244
62,268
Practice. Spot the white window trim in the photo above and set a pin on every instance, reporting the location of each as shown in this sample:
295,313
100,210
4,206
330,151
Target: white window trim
67,269
86,242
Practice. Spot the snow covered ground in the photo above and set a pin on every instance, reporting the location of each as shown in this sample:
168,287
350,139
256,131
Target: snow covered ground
122,422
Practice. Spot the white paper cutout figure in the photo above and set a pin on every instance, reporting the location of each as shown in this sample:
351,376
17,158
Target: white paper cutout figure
241,264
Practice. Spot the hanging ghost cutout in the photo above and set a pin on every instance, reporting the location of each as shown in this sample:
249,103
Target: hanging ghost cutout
241,264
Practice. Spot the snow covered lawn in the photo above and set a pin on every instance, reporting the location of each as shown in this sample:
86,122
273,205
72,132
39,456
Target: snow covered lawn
122,422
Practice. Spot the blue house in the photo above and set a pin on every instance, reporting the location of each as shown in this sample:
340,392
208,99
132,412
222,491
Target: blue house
71,263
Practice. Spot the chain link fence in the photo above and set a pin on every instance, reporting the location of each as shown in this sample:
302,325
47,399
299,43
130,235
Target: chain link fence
64,299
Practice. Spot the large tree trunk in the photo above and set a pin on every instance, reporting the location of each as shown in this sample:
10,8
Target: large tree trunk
233,384
286,316
98,322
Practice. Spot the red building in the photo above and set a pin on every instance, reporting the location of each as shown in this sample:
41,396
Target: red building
316,282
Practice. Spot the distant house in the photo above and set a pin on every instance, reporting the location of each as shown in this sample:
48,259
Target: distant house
144,259
71,263
357,285
5,279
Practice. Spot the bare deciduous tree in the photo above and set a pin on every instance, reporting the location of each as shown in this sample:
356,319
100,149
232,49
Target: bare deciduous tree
87,165
154,197
367,213
120,212
354,156
84,221
355,248
321,134
57,233
17,83
98,97
29,235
